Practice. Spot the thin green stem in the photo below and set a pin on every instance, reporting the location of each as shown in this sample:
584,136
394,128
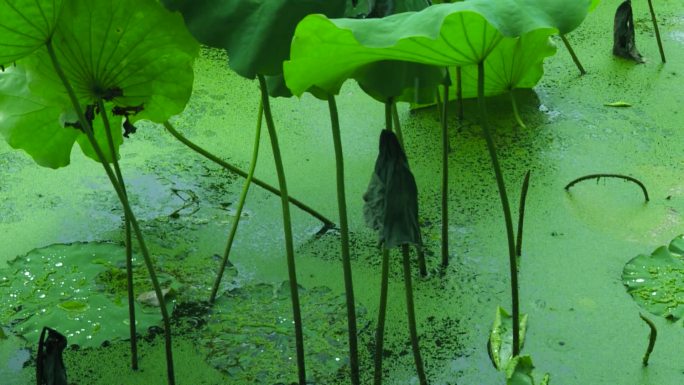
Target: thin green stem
445,179
521,214
397,126
382,313
410,310
240,207
516,113
327,223
287,228
653,334
128,241
575,59
619,176
515,313
344,235
124,201
657,31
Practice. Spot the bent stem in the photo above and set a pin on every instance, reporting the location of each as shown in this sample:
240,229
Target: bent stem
657,31
240,206
327,223
516,113
287,228
653,334
521,214
515,312
573,55
445,179
344,235
382,312
620,176
128,241
126,206
412,315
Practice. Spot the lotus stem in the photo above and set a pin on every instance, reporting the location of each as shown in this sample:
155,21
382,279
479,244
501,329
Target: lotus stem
657,31
653,334
459,93
397,126
521,214
240,206
128,242
412,315
573,55
599,176
382,312
344,235
327,223
287,228
445,179
126,206
422,266
515,313
516,113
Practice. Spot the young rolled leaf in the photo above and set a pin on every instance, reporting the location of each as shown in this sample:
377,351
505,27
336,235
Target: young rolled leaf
140,63
500,344
519,372
25,26
655,281
391,201
256,34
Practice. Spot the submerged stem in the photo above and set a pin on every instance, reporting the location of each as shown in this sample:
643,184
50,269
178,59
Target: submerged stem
240,206
410,310
327,223
515,313
344,235
128,241
620,176
575,59
657,31
445,179
287,228
521,214
382,312
126,206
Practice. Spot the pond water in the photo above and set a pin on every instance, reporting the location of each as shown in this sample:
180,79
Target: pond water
583,326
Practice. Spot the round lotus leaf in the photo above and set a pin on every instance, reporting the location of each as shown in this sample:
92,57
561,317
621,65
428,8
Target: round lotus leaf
25,26
77,289
656,281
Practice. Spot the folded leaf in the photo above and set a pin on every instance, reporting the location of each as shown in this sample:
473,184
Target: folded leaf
500,344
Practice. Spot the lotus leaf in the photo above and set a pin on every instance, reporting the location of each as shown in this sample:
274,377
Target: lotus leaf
74,288
401,81
25,27
256,34
655,281
519,372
139,61
500,343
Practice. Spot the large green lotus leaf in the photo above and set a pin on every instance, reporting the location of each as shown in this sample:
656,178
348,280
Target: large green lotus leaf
256,33
655,281
381,8
514,63
326,52
25,25
135,46
500,344
516,17
400,80
40,125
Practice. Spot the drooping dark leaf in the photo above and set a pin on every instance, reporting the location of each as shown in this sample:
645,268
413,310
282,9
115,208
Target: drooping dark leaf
50,369
391,201
256,33
624,44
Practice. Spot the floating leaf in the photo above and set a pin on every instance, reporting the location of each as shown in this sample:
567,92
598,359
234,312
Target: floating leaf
391,205
75,306
500,344
617,104
256,34
655,281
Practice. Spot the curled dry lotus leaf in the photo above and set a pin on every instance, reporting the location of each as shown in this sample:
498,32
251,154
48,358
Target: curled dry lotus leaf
77,288
655,281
